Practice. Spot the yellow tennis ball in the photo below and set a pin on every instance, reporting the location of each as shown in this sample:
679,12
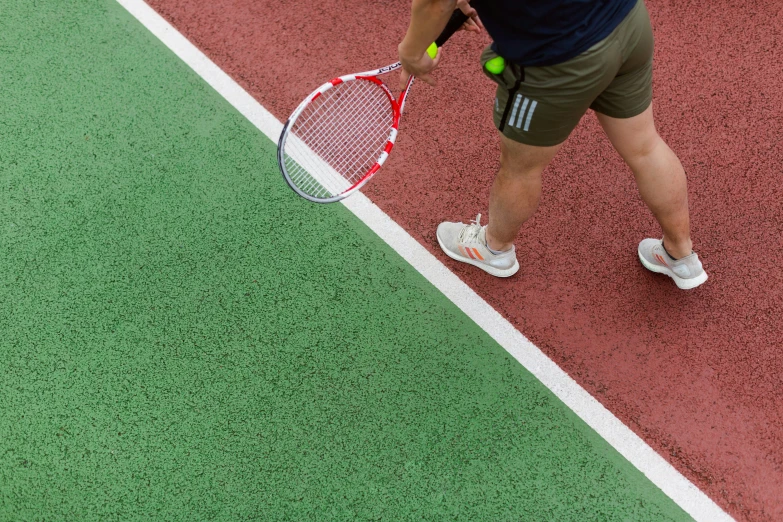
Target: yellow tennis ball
432,50
496,65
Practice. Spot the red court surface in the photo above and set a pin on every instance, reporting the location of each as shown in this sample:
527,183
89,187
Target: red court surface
697,374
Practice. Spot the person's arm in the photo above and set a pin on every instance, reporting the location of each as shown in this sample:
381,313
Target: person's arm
428,18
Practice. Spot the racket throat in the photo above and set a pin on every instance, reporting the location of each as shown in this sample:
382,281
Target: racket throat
403,97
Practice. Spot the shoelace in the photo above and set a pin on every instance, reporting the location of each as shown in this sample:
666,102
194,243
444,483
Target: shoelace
470,234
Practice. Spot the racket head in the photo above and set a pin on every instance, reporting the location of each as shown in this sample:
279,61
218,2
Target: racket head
338,137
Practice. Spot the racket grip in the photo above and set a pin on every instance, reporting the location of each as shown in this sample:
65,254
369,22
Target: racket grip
455,22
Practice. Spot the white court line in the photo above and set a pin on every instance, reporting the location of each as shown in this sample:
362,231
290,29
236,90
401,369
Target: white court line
625,441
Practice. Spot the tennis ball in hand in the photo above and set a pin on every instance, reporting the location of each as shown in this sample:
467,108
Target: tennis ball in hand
496,65
432,50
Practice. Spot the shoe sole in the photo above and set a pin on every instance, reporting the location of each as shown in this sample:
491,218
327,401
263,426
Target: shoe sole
682,284
497,272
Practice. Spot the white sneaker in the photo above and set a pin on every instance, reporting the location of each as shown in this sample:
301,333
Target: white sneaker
468,243
687,272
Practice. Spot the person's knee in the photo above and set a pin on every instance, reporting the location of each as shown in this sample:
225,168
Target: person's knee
645,145
635,138
520,160
519,168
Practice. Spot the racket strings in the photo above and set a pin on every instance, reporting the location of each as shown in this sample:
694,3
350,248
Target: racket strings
346,130
337,138
346,124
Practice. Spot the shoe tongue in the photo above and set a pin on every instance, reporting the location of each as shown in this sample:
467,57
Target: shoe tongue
474,233
482,235
468,233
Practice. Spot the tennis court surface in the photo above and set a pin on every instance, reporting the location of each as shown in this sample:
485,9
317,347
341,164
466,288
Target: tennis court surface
181,337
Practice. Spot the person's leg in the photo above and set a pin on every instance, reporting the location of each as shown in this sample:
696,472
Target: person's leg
516,191
513,200
535,110
659,176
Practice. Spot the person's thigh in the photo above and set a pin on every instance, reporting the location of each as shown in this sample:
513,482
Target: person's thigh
520,159
630,92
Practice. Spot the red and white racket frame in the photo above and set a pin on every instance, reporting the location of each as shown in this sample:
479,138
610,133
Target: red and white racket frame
397,105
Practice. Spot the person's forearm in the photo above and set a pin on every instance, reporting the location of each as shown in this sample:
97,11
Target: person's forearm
428,18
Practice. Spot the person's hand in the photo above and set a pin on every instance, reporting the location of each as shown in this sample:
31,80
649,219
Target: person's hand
419,66
473,24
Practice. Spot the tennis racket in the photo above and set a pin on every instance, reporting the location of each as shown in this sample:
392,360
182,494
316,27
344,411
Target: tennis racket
342,133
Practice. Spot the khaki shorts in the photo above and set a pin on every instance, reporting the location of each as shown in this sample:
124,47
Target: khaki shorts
540,106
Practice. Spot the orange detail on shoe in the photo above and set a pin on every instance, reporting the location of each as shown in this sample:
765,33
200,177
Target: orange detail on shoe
661,259
475,251
462,250
470,254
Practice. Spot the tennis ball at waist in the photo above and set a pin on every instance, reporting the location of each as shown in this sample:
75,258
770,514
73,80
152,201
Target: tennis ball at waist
432,50
496,65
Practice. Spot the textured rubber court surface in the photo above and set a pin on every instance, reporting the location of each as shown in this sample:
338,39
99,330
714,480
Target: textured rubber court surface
182,338
699,375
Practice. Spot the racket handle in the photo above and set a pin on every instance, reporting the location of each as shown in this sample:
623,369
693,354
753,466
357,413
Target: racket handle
455,22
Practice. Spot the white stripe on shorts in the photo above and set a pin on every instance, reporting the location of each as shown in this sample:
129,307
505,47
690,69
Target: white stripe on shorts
529,115
518,124
514,112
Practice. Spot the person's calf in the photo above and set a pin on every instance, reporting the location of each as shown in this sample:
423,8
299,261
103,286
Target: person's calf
513,200
516,190
659,175
664,188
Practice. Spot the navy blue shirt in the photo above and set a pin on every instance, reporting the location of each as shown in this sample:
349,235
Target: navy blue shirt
546,32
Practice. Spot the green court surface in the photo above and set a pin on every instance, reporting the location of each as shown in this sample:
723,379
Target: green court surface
183,338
